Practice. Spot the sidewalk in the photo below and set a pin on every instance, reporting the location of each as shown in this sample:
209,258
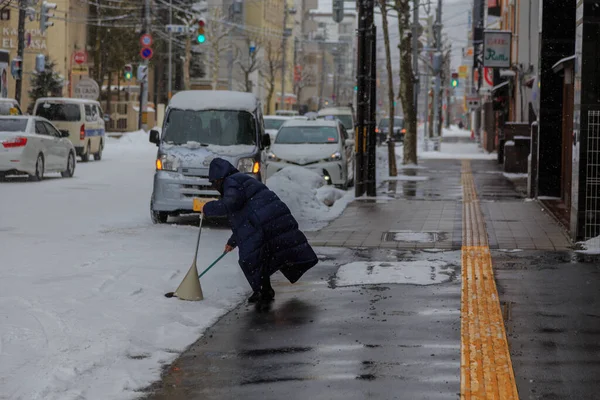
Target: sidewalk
422,208
403,304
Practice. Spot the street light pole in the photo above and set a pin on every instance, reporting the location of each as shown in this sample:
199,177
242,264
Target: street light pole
283,58
170,69
21,47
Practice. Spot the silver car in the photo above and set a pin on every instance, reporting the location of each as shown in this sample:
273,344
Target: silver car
198,127
33,146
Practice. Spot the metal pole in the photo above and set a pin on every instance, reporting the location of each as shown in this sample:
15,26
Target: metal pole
361,104
427,84
170,88
21,47
144,83
283,51
415,42
230,51
438,79
372,138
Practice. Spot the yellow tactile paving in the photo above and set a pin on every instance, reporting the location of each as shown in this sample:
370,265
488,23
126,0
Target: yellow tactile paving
485,369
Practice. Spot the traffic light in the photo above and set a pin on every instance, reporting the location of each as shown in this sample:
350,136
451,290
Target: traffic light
45,14
200,33
454,81
16,68
128,72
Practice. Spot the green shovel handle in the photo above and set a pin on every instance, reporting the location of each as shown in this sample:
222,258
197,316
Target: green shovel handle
212,265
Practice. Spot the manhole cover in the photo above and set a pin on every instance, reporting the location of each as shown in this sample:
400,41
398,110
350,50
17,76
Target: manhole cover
414,237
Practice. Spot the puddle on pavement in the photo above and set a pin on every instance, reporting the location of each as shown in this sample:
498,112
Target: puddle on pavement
415,237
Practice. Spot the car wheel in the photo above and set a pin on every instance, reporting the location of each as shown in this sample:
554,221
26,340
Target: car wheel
98,155
39,169
158,217
88,152
68,173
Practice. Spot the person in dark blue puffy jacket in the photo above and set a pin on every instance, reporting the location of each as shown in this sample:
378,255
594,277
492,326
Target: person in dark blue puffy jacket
263,227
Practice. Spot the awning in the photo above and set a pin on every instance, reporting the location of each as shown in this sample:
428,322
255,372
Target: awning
500,86
559,66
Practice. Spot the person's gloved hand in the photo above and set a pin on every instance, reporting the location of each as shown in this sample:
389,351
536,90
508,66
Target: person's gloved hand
228,248
199,205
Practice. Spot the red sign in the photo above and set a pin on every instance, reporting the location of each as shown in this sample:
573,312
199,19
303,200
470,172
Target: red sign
146,53
487,74
146,40
80,57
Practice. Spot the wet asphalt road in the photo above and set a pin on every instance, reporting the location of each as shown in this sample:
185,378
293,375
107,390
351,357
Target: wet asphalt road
322,341
552,312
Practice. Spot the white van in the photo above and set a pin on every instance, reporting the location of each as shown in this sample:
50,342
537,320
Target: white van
82,118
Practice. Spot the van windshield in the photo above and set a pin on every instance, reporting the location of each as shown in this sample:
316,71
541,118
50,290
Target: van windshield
222,127
59,112
345,119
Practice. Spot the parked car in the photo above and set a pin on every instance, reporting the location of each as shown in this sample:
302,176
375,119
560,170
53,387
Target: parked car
322,146
273,123
9,107
82,118
198,127
33,146
344,114
383,129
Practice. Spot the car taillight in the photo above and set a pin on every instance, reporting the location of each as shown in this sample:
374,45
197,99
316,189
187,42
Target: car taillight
15,142
82,132
403,131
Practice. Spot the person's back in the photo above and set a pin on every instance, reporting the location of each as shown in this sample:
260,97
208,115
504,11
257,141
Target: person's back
263,228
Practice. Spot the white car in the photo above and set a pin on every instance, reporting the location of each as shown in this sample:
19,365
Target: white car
273,123
344,114
321,146
33,146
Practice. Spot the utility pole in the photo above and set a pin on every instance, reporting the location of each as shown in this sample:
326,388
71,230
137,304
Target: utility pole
23,4
371,184
144,81
415,48
283,54
438,79
170,69
230,51
427,85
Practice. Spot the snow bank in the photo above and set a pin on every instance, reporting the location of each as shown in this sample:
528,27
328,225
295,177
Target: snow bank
305,192
591,246
455,131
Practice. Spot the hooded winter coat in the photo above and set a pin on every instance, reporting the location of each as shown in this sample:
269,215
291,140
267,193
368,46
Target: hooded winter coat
263,227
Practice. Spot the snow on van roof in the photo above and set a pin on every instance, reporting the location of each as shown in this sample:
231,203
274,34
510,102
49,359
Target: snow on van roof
66,100
214,100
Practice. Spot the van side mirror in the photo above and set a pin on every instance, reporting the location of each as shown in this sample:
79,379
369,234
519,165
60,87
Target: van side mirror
349,142
106,118
64,133
266,140
154,137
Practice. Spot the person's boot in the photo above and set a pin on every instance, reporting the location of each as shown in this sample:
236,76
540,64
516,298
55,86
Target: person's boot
254,298
267,294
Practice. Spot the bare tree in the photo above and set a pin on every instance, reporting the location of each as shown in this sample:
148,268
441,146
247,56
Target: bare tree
407,80
217,32
383,6
303,76
268,72
250,62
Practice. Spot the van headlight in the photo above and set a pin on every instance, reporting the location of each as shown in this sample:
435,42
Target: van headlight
337,156
248,166
164,163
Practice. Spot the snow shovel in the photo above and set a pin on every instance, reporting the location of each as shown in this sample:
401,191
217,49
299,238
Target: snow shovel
190,288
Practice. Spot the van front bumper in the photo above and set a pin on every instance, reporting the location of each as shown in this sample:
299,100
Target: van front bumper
333,169
174,192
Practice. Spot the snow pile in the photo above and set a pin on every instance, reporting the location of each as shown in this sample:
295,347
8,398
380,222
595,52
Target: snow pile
457,151
240,149
591,246
306,195
82,306
420,272
455,131
328,195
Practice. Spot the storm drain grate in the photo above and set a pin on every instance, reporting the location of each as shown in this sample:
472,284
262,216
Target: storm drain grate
414,237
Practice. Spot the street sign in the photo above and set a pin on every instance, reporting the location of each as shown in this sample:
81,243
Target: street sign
80,70
180,28
463,71
488,76
146,53
146,40
80,57
86,89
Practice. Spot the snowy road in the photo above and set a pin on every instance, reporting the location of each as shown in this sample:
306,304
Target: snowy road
82,277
